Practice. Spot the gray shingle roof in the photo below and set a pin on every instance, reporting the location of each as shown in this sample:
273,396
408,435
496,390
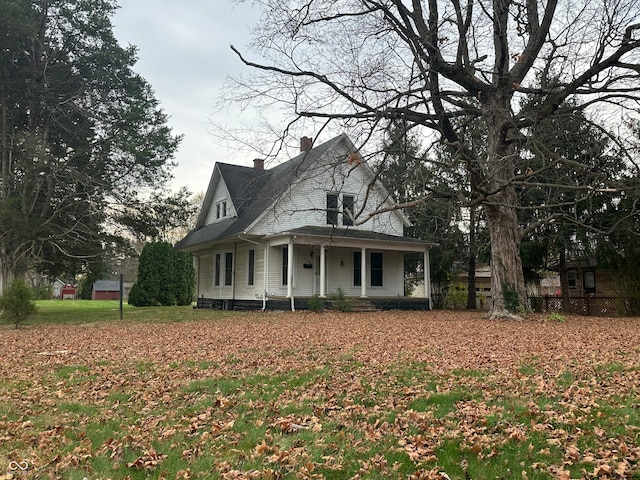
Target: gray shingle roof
106,286
252,191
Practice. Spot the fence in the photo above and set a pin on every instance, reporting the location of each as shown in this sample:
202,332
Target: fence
587,305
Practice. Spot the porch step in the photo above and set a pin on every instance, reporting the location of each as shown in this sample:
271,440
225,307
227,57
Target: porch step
356,304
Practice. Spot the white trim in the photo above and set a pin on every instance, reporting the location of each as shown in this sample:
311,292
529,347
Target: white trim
363,272
323,272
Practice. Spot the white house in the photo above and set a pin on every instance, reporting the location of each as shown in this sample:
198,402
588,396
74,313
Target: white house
273,238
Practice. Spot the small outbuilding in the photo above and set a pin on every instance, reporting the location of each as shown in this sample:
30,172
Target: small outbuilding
106,290
68,292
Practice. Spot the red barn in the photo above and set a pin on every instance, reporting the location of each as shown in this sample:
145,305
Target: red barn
68,292
106,290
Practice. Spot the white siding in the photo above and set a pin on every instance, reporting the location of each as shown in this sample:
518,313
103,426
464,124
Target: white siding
305,203
244,291
205,276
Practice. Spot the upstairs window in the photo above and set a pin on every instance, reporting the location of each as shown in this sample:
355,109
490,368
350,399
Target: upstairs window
347,209
332,209
221,209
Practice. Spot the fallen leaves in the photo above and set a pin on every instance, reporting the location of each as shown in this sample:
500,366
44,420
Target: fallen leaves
269,396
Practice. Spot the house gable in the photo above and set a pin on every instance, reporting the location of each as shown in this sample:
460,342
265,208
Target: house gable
338,172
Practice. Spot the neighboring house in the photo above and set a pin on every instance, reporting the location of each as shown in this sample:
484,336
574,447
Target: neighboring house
56,288
275,238
106,290
585,278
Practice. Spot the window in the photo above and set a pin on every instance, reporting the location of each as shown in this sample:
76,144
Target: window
285,265
332,208
221,209
571,279
251,267
347,209
357,269
589,281
228,268
376,269
216,277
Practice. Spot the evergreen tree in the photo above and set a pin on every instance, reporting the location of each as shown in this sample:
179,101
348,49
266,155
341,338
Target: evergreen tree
165,277
16,302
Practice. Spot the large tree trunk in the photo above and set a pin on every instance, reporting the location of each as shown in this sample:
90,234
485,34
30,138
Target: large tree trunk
508,292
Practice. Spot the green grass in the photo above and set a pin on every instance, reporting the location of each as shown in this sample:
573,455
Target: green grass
74,312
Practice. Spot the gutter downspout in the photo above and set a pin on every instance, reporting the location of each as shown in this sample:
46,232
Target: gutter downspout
266,276
290,273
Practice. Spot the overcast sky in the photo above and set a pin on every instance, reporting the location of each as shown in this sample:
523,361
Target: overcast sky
184,53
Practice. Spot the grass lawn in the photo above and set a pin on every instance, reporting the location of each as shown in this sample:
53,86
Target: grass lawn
178,393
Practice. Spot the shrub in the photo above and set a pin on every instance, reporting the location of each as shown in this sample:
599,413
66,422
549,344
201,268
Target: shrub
340,301
456,297
315,304
17,302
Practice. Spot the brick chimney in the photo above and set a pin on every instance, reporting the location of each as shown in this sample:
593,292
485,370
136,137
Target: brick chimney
306,144
258,163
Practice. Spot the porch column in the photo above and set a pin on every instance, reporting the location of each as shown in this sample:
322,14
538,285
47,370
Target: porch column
427,278
363,272
290,272
265,269
323,272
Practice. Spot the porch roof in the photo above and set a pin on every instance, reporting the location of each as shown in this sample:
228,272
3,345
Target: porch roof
351,237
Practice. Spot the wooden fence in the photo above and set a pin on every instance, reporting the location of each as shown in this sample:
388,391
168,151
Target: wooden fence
587,305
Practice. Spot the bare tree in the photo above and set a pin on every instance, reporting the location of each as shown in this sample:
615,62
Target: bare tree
438,64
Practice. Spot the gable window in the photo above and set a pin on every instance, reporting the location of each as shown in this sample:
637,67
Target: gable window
332,209
228,268
285,265
216,278
376,269
357,269
221,209
347,209
251,267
